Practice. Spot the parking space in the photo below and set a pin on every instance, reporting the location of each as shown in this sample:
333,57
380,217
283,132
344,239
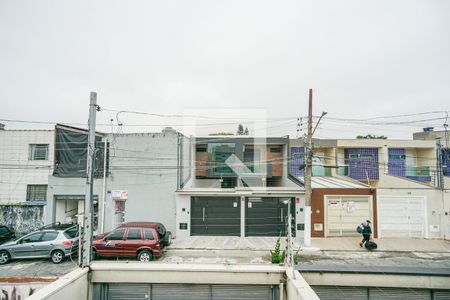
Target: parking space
36,268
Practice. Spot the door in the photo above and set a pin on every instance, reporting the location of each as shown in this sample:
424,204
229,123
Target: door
267,216
344,213
402,216
132,242
46,243
26,247
112,245
215,216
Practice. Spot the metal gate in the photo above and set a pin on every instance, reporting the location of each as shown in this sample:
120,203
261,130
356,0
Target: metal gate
344,213
138,291
267,216
215,216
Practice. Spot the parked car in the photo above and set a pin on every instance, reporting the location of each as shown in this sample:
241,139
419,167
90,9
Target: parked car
143,240
6,234
56,242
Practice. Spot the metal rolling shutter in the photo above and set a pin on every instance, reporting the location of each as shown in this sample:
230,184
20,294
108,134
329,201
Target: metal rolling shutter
138,291
243,292
441,295
341,292
180,292
131,291
398,293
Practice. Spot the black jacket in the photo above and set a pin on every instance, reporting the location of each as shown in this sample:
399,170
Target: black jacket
367,230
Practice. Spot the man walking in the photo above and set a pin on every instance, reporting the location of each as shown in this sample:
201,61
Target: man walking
366,232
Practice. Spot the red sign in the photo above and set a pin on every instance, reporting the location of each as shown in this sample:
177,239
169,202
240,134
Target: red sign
298,200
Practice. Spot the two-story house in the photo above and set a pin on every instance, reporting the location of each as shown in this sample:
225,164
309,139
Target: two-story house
400,175
238,186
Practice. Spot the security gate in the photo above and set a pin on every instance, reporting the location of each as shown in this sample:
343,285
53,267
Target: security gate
215,216
138,291
344,213
267,216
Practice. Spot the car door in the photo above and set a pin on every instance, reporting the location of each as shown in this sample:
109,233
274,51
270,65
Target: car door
26,247
46,243
112,244
132,242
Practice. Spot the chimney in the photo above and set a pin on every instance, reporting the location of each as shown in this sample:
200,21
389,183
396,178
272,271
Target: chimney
2,126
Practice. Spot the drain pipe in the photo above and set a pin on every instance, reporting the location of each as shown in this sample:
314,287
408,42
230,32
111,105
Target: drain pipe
281,288
104,188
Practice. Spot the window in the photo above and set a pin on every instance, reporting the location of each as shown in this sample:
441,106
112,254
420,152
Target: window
397,156
218,153
71,232
134,234
363,156
49,236
116,235
201,148
275,149
148,234
38,152
37,192
32,238
3,231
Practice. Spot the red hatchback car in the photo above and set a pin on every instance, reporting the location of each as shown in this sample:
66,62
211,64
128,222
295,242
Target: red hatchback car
143,240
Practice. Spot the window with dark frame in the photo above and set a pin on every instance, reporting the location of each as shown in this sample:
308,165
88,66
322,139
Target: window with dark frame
36,192
116,235
38,152
134,234
148,235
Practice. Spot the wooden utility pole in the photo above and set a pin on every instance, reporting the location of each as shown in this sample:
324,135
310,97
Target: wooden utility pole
88,203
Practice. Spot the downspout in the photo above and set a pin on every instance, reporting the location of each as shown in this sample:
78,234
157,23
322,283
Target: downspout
104,188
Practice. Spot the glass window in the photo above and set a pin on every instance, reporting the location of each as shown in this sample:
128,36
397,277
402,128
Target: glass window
353,155
366,156
32,238
49,236
36,192
218,153
71,232
38,152
116,235
3,231
134,234
275,149
148,234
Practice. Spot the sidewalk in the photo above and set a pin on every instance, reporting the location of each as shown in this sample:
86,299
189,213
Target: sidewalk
322,244
384,245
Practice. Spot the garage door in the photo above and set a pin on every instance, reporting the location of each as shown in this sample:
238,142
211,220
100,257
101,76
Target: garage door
401,216
215,216
122,291
267,216
344,213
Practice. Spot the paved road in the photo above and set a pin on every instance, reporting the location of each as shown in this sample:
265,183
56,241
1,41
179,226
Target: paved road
36,268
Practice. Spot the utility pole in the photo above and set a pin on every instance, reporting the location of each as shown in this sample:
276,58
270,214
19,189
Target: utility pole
308,175
88,203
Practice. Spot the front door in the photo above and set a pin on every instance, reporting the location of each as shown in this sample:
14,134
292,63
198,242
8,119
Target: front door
112,244
26,247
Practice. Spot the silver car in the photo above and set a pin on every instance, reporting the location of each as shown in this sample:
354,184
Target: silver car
56,243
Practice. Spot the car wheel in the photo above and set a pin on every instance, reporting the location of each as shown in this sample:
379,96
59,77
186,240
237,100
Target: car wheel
169,239
57,256
4,257
145,256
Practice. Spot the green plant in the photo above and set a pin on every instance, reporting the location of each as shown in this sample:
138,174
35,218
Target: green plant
277,254
296,257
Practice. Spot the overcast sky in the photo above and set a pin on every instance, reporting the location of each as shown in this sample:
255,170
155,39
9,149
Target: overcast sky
362,58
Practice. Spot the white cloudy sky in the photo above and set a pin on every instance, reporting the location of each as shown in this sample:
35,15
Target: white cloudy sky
362,58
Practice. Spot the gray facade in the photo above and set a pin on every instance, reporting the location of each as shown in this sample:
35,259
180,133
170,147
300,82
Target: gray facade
143,166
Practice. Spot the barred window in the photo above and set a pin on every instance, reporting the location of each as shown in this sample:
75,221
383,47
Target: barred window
37,192
38,152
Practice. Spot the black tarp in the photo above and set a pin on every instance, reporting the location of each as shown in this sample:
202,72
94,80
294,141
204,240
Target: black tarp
71,153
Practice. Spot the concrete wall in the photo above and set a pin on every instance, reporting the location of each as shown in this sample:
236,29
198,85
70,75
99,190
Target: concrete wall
72,286
18,170
145,165
22,218
17,291
297,287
